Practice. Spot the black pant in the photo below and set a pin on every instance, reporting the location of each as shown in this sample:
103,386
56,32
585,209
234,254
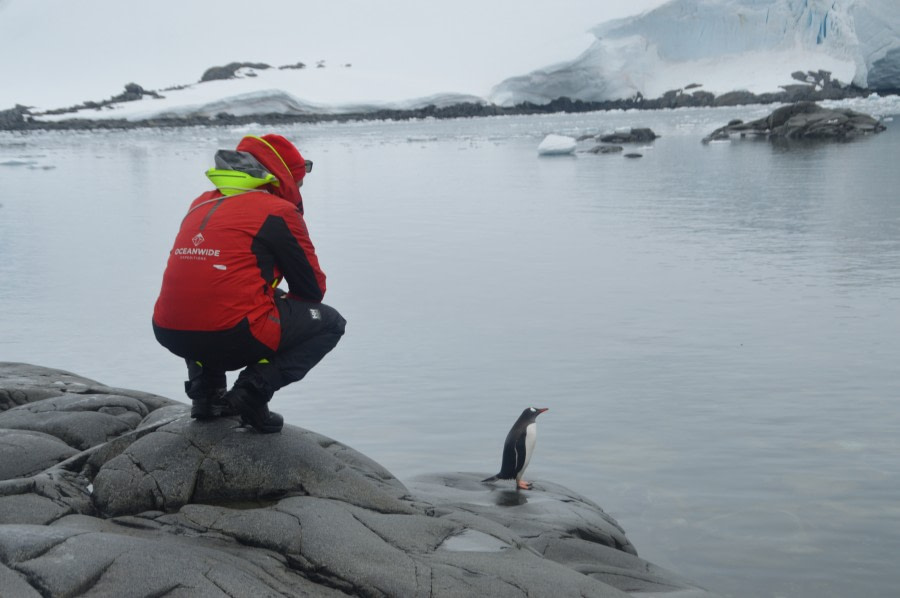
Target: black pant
308,332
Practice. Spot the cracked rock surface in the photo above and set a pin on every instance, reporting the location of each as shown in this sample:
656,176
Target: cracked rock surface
113,492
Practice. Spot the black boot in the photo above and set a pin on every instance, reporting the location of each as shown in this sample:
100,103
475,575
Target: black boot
202,409
209,404
254,410
206,389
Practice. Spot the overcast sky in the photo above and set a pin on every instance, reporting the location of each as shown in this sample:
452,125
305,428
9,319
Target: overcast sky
91,48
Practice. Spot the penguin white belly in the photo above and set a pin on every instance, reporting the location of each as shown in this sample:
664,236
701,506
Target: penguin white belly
530,439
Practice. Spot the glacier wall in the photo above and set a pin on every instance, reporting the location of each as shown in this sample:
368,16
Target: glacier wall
684,30
724,45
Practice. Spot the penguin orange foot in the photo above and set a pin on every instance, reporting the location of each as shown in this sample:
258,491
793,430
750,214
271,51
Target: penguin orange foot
519,448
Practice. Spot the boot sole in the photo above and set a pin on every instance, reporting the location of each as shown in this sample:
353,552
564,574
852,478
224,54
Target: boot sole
213,412
203,413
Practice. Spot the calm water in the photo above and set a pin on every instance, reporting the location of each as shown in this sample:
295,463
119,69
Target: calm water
714,328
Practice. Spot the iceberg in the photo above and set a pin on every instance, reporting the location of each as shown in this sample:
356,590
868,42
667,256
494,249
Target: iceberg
557,145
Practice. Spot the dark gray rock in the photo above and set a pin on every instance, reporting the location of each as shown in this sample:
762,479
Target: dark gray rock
183,462
635,135
295,66
14,584
26,453
803,121
229,71
30,508
81,421
703,98
606,149
139,500
736,98
22,383
552,511
14,118
133,92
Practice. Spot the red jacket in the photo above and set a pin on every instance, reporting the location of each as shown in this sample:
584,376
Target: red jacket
231,252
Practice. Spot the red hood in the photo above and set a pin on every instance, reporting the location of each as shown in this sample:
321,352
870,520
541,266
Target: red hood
282,159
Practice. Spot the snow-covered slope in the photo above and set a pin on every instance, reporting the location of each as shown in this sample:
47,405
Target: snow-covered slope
724,45
60,53
277,91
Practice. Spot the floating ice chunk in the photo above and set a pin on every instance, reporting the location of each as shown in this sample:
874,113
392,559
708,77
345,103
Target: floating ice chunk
557,145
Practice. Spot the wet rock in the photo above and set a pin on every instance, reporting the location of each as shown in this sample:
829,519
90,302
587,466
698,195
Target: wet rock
550,511
137,499
635,135
606,149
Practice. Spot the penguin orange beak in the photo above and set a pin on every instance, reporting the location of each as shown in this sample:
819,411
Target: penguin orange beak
541,410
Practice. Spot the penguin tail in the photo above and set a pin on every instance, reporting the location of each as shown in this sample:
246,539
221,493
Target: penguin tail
493,478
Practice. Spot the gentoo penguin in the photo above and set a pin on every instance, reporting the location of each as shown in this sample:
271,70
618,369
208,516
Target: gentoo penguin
518,448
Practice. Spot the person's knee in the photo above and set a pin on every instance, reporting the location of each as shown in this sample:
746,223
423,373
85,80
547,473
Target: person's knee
336,321
340,325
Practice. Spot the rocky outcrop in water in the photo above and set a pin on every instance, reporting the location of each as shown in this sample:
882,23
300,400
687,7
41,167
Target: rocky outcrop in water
609,142
633,135
606,149
114,492
803,121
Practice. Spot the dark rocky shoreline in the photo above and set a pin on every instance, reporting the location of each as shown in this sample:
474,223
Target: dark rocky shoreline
818,87
115,492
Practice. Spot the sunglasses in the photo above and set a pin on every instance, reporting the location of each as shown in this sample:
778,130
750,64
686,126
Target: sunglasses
309,164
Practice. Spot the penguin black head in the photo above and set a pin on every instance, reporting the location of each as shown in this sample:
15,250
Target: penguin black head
531,413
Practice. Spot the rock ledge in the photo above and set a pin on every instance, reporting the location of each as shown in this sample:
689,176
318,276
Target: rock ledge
114,492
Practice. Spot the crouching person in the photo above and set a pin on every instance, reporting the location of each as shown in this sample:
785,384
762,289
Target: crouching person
220,306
